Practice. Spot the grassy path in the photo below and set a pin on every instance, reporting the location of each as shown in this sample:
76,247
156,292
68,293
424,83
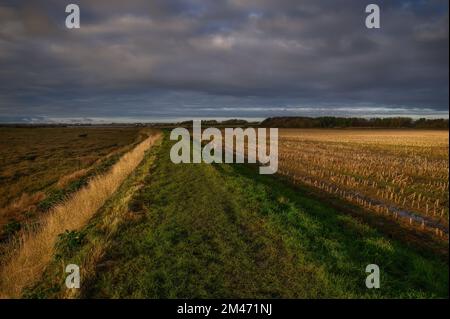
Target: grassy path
219,231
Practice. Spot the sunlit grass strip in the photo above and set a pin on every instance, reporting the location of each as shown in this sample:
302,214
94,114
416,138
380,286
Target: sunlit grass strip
35,249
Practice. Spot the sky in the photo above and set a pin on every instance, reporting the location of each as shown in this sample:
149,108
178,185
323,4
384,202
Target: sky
166,60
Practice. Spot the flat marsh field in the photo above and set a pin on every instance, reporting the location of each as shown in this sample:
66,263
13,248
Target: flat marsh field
40,166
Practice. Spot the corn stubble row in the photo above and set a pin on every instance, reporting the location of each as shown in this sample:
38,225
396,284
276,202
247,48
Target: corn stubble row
402,174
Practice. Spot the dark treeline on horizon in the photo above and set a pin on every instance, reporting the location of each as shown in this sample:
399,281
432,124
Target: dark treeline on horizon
343,122
276,122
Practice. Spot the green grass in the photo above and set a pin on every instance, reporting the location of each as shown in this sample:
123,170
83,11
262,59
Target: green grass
223,231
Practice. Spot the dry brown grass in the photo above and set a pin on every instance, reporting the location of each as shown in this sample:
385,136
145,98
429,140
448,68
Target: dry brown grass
24,203
38,163
34,159
35,249
65,180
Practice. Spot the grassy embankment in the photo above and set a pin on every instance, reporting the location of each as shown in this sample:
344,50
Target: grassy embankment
220,231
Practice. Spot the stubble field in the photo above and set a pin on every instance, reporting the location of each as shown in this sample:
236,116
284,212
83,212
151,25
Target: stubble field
398,173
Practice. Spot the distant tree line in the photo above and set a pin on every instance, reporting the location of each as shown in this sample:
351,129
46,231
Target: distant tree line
283,122
343,122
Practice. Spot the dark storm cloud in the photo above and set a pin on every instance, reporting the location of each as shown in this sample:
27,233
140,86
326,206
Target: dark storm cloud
234,58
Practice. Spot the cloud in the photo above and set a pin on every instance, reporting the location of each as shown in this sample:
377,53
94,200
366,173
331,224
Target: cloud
209,53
